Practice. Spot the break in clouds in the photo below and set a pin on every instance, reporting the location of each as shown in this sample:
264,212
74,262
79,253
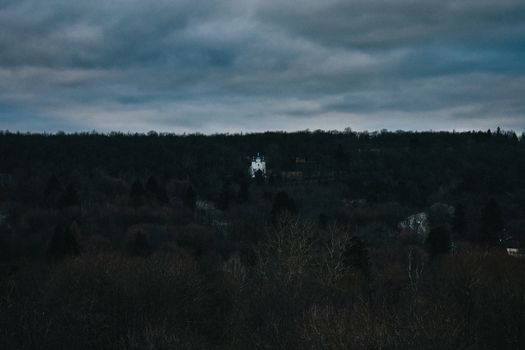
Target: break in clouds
248,65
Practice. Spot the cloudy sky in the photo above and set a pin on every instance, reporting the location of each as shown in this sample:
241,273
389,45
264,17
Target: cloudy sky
253,65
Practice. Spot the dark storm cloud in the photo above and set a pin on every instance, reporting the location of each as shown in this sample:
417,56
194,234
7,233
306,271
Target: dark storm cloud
384,24
255,65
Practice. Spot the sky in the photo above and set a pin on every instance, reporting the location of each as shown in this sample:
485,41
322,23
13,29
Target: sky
187,66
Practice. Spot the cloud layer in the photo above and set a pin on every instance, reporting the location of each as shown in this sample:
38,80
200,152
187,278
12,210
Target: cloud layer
248,65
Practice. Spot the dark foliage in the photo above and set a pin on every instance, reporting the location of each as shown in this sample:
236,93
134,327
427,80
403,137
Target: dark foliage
225,196
151,185
259,177
140,245
460,221
175,247
283,204
438,240
63,244
340,154
244,192
53,186
190,198
4,248
356,256
492,223
322,220
137,190
68,198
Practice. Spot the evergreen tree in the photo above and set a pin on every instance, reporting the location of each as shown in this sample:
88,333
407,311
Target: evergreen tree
356,256
63,244
69,198
282,203
322,220
340,153
4,247
459,221
159,191
52,192
492,223
239,177
190,198
259,177
137,190
414,142
140,245
152,185
438,240
271,179
225,196
162,195
244,193
52,186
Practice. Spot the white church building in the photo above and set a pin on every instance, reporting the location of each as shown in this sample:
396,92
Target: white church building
258,164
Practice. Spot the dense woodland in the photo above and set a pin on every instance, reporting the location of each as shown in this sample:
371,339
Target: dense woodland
161,241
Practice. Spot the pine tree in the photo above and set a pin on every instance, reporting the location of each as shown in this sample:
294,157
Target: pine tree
356,256
271,179
438,240
340,153
492,223
4,247
62,245
259,177
322,220
140,245
158,191
225,196
244,193
69,198
52,186
162,195
52,192
459,221
137,190
152,185
190,198
282,203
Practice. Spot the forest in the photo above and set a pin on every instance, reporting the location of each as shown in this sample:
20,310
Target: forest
350,240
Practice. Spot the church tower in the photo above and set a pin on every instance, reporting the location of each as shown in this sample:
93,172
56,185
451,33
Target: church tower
258,164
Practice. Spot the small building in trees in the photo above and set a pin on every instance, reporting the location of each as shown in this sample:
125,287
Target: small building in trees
300,160
514,248
258,166
516,252
292,175
416,224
